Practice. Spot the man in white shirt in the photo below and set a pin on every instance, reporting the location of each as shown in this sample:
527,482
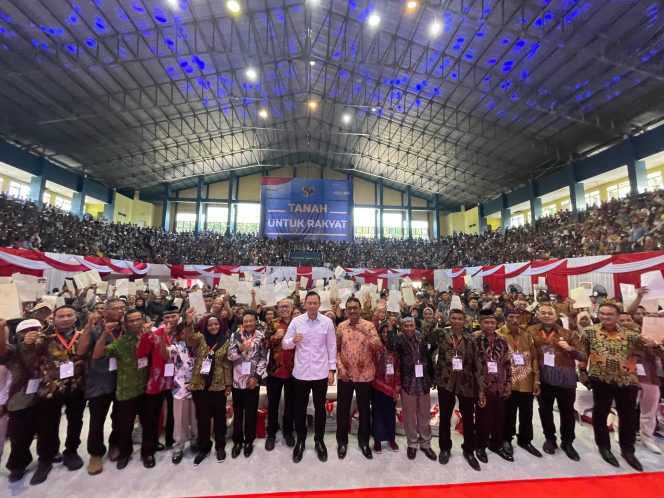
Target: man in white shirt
314,339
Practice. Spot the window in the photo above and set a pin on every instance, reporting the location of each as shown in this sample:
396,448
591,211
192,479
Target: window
565,205
217,219
248,218
655,181
592,198
364,221
549,210
420,229
393,225
46,198
18,190
618,191
518,220
62,203
185,222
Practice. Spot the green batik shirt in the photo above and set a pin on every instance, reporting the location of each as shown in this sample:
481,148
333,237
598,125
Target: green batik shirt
131,379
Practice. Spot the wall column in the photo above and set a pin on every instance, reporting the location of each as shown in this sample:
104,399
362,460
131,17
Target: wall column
505,214
37,189
638,176
199,205
165,207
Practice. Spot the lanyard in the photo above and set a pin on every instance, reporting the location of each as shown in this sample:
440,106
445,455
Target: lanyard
71,343
491,347
211,349
547,339
250,341
456,346
415,350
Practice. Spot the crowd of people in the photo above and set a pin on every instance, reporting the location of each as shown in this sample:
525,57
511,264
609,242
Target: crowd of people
631,224
140,355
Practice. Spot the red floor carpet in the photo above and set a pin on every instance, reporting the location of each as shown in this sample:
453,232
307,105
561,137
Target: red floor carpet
643,485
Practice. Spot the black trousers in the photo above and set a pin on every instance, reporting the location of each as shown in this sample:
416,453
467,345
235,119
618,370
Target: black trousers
344,400
523,403
625,397
152,410
446,401
98,408
565,397
21,430
48,424
245,411
319,391
274,387
170,420
125,416
490,421
210,406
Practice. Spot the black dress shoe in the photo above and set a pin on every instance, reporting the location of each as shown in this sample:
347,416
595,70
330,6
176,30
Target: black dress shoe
160,447
412,453
290,440
235,452
177,457
200,457
507,447
530,449
221,455
570,451
57,458
248,449
608,457
503,454
15,476
444,457
431,455
72,461
366,451
342,449
472,461
480,453
549,446
632,461
149,462
269,443
321,451
298,451
41,474
122,462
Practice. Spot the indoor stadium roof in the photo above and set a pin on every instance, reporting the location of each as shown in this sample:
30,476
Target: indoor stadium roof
464,99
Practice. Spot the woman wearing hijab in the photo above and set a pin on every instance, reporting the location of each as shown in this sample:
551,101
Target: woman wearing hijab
583,320
211,382
384,393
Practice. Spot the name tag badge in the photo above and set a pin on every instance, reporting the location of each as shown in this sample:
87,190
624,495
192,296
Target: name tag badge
33,385
143,362
640,369
518,359
389,369
419,370
550,359
492,366
246,368
169,370
457,364
66,370
205,366
112,364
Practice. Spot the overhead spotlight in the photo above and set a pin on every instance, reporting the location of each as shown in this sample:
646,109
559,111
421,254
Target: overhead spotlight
263,113
251,74
373,20
173,3
373,109
411,4
313,104
233,6
312,63
346,117
435,28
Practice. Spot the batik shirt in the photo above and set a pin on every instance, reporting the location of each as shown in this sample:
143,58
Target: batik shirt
254,358
357,347
412,352
131,379
183,367
498,382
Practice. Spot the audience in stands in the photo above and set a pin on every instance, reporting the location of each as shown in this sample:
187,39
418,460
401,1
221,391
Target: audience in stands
628,225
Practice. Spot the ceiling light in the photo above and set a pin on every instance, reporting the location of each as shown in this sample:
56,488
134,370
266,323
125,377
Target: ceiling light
233,6
313,104
373,109
312,63
346,118
173,3
412,4
435,27
262,113
373,20
251,74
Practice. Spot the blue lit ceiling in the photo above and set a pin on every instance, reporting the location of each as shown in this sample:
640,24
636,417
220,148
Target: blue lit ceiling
136,93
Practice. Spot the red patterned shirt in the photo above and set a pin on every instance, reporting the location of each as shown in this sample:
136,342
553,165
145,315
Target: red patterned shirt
357,348
148,347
